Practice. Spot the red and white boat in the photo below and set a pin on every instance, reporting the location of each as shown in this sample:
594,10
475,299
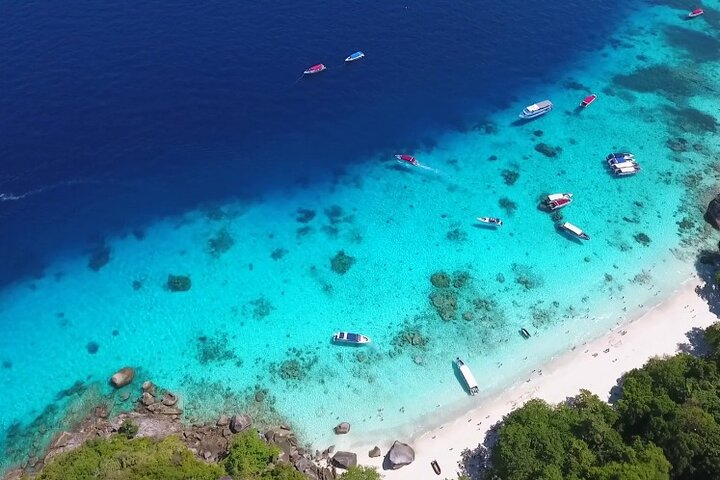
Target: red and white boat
696,13
557,201
408,159
315,69
588,100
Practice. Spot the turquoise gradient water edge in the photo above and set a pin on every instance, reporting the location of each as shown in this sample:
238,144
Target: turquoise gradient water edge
261,310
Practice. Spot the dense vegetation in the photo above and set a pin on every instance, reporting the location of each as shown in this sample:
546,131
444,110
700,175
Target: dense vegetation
120,458
666,425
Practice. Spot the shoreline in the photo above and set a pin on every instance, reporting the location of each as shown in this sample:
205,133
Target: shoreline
595,365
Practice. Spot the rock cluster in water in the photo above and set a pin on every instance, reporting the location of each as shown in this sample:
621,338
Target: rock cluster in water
341,262
178,283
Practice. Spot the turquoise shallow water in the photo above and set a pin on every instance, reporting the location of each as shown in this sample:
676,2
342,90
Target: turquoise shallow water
259,315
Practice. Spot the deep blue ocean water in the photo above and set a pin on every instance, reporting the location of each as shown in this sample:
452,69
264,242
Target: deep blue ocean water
114,115
184,139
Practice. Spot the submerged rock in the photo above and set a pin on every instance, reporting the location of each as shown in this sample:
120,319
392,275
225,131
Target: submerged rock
342,428
341,262
122,377
178,283
400,454
712,213
445,304
99,258
440,280
547,150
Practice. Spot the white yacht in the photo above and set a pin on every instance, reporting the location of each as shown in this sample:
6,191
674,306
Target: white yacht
467,376
536,109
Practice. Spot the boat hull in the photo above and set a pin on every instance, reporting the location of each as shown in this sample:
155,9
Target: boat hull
354,57
588,100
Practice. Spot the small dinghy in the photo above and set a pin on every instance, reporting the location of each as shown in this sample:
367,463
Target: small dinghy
490,221
354,56
436,467
524,333
467,376
350,338
315,69
588,100
574,231
696,13
407,159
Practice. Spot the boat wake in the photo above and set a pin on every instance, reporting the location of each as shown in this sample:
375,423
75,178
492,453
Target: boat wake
14,197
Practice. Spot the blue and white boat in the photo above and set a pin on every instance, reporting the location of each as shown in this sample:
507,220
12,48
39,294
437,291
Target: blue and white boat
352,338
536,109
354,56
620,155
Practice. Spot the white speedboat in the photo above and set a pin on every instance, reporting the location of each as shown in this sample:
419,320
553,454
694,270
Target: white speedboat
573,230
490,221
536,109
467,376
352,338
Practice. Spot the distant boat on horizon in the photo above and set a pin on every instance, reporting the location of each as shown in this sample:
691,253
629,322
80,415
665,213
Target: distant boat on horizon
315,69
696,13
536,109
354,56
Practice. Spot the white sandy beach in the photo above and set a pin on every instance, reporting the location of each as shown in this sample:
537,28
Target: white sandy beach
595,366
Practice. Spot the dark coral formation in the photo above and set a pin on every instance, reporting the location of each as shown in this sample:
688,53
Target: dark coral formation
440,280
341,262
7,364
137,285
278,253
411,337
700,46
461,279
547,150
215,350
642,239
304,215
445,303
99,258
92,347
220,243
508,205
659,78
510,176
525,276
261,308
296,367
677,145
178,283
692,120
456,235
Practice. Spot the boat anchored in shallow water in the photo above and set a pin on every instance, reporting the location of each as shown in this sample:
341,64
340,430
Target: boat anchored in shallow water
490,221
588,100
536,109
556,201
696,13
467,375
354,56
350,338
573,230
315,69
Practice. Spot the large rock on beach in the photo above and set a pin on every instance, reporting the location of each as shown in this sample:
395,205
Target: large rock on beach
239,423
712,213
400,454
342,428
178,283
122,377
344,459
